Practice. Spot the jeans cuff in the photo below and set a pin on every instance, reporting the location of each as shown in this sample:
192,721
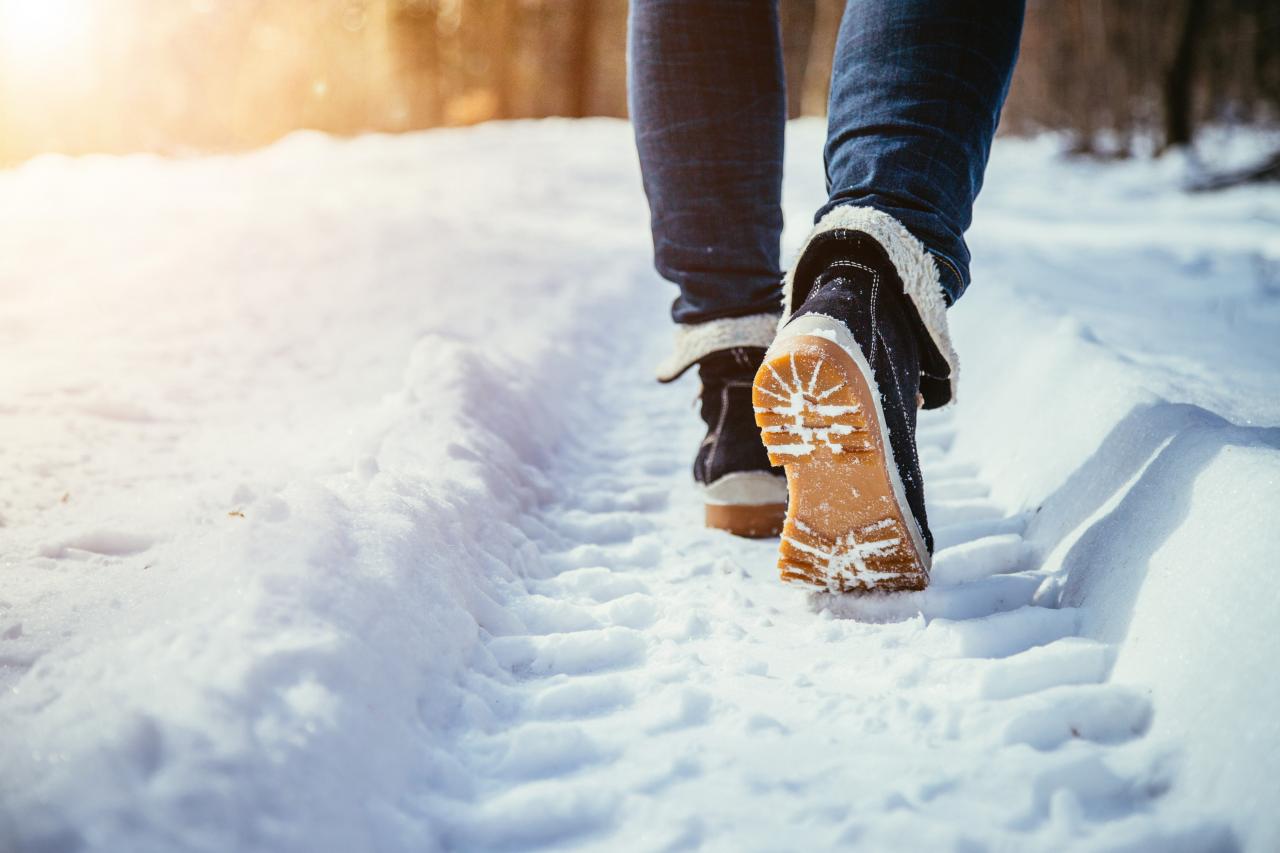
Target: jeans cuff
950,279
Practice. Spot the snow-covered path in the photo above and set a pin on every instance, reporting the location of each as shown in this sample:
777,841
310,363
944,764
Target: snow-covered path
668,692
339,511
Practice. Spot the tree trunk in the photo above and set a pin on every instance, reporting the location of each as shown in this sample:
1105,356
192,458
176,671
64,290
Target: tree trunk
1178,81
415,61
798,18
822,48
582,58
502,55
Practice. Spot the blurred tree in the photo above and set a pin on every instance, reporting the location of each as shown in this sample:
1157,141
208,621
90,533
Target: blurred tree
581,56
1116,76
798,18
1179,77
414,27
822,48
1122,76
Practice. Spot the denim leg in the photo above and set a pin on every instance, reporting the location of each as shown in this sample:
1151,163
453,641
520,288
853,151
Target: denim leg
915,98
708,104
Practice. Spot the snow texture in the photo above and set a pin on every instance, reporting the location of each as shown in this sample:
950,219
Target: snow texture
340,512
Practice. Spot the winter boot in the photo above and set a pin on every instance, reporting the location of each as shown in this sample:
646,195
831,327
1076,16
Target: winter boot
836,400
744,495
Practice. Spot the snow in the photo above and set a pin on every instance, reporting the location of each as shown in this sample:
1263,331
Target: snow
340,512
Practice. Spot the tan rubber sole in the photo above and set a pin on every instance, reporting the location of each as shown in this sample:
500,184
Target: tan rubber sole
845,530
753,522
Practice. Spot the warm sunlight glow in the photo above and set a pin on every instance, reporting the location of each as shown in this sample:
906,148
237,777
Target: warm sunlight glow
42,35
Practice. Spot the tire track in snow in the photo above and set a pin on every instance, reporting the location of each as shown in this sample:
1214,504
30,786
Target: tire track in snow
669,692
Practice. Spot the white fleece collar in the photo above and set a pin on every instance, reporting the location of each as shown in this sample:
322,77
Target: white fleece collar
695,340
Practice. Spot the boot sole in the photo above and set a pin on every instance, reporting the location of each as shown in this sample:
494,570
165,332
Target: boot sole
752,522
747,503
848,527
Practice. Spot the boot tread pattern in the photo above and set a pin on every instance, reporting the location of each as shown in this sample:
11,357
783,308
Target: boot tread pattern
844,530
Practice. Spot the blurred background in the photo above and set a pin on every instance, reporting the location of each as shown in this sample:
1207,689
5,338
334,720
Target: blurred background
1117,78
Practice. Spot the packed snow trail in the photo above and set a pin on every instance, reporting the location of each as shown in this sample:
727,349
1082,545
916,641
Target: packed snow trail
667,692
340,511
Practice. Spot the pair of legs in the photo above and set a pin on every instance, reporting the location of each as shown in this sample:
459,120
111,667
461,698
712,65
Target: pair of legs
916,94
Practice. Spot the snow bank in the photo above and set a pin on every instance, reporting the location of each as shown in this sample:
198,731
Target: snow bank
271,460
1135,421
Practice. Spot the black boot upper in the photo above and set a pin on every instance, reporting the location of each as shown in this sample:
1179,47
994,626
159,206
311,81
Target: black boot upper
846,244
852,280
733,442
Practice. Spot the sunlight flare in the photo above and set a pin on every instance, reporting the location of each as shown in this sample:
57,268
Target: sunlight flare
39,36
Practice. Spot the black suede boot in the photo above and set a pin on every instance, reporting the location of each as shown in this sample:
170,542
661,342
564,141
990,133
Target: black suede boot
744,494
836,399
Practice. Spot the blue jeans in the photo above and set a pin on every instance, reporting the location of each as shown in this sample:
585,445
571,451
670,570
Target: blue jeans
916,94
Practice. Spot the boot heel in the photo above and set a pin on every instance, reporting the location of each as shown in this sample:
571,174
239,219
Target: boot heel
749,503
848,527
749,522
